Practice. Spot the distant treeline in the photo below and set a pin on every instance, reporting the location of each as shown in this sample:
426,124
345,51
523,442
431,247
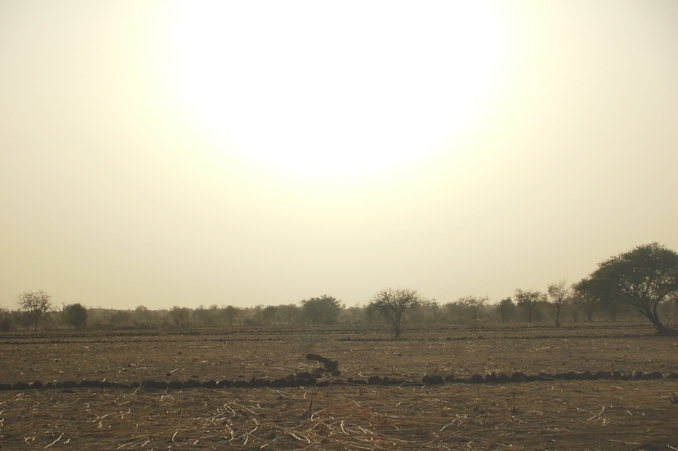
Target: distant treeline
525,307
642,282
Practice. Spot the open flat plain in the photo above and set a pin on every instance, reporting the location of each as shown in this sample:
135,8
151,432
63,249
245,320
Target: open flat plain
348,413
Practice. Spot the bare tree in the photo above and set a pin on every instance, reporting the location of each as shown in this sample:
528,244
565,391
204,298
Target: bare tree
559,293
34,304
529,301
393,303
472,305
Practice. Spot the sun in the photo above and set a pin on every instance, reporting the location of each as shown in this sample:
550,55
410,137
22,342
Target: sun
334,89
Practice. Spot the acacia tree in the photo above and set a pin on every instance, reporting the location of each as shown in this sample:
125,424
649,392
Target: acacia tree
392,304
642,278
559,294
34,304
529,301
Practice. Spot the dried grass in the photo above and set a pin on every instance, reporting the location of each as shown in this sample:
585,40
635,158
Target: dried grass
542,415
601,414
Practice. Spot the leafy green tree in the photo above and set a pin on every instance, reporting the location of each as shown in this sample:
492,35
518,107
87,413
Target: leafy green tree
321,310
529,301
506,308
642,278
558,294
392,304
35,304
75,315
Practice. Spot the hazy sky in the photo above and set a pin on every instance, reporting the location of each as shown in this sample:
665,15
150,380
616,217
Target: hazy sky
187,153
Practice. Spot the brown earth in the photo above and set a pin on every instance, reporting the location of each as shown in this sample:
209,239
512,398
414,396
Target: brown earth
603,414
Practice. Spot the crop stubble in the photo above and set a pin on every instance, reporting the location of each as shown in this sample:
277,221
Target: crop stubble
602,414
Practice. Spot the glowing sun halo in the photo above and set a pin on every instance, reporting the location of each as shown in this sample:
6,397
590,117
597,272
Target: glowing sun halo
337,89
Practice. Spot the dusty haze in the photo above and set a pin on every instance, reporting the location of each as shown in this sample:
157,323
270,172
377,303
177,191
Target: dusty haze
169,153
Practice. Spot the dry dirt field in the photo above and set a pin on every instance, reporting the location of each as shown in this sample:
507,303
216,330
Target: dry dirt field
551,414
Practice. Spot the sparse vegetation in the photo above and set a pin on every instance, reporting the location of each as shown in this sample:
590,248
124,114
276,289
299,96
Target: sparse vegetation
441,385
5,320
506,309
75,315
34,305
588,300
529,301
444,347
392,305
559,295
321,310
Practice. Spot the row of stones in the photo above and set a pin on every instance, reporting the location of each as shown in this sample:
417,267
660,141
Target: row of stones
306,380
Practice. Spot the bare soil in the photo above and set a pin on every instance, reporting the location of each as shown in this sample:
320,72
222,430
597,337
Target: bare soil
601,414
